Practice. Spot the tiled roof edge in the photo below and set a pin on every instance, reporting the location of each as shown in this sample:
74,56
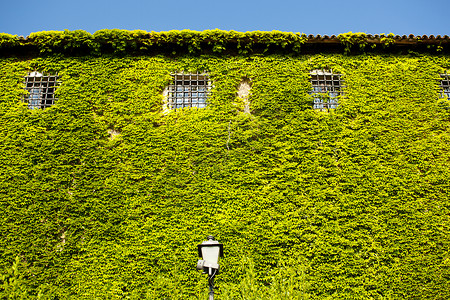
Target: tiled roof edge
380,39
79,42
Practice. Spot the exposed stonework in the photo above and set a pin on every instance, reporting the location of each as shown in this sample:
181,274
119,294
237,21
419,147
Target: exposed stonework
244,92
113,134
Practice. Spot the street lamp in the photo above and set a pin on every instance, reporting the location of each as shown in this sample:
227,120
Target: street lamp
210,251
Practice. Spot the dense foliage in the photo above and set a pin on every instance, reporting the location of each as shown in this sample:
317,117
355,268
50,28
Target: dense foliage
175,41
216,41
105,196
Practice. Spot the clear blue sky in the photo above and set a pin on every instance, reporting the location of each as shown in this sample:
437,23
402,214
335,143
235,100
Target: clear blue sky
329,17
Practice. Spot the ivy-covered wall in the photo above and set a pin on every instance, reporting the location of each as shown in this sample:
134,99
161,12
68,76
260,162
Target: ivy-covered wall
103,196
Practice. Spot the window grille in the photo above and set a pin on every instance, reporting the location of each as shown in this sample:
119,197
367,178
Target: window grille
41,90
326,89
188,90
445,86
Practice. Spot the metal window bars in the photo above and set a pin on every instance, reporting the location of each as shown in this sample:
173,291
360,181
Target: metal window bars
326,89
41,90
188,90
445,86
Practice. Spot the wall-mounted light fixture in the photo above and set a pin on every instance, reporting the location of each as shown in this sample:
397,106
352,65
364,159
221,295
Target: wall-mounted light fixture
210,251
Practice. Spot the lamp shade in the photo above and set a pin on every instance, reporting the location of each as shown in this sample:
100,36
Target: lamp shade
210,250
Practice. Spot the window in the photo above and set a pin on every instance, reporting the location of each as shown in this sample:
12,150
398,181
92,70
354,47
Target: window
188,90
445,86
326,89
41,90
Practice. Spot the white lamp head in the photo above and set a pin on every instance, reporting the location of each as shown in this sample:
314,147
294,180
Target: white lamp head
210,251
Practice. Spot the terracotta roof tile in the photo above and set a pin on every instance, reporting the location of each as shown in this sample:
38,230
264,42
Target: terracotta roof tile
377,38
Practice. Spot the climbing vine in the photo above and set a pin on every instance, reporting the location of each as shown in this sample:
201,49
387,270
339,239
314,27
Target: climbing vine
104,195
176,42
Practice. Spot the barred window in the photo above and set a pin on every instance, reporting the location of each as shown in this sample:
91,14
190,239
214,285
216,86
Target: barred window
41,90
188,90
326,89
445,86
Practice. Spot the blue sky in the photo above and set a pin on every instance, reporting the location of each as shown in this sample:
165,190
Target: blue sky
418,17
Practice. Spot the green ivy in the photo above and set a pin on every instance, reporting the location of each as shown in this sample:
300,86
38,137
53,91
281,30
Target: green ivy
138,41
105,196
8,40
176,42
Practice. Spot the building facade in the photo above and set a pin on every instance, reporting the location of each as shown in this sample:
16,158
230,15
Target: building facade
321,163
